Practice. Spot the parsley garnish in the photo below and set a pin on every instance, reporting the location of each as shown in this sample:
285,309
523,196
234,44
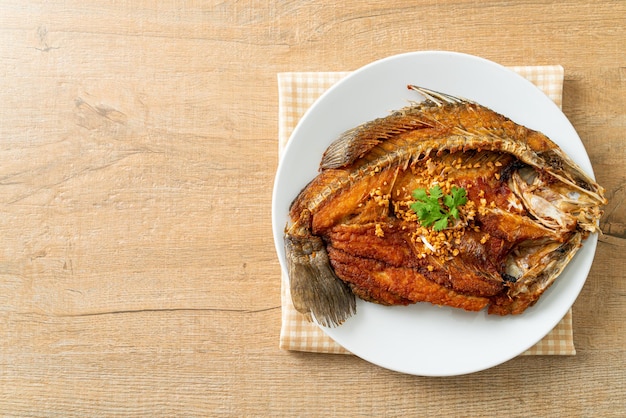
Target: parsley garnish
429,209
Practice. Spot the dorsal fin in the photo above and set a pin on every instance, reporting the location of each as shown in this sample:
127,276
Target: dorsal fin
436,97
356,142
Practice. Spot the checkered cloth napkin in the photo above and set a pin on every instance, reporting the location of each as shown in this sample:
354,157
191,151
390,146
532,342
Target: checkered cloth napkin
297,91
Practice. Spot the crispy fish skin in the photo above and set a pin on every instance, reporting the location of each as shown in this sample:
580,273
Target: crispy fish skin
529,208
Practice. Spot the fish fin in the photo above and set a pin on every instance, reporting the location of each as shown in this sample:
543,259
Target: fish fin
356,142
436,97
316,291
347,148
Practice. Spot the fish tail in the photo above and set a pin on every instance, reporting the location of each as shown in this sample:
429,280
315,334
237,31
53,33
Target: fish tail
316,291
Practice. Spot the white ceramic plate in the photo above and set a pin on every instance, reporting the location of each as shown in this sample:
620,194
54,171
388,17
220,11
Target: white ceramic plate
423,339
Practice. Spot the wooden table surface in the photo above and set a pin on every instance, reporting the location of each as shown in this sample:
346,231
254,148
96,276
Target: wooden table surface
138,146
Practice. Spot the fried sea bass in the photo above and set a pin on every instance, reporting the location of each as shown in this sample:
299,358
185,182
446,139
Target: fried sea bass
443,201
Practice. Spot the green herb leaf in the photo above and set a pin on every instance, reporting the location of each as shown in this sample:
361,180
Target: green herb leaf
441,224
429,210
420,194
435,192
459,197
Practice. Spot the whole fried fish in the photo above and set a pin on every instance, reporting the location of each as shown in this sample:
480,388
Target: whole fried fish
354,230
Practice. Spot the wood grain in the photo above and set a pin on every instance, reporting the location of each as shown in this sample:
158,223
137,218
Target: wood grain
138,146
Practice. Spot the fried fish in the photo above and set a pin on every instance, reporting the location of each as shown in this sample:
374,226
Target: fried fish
444,201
